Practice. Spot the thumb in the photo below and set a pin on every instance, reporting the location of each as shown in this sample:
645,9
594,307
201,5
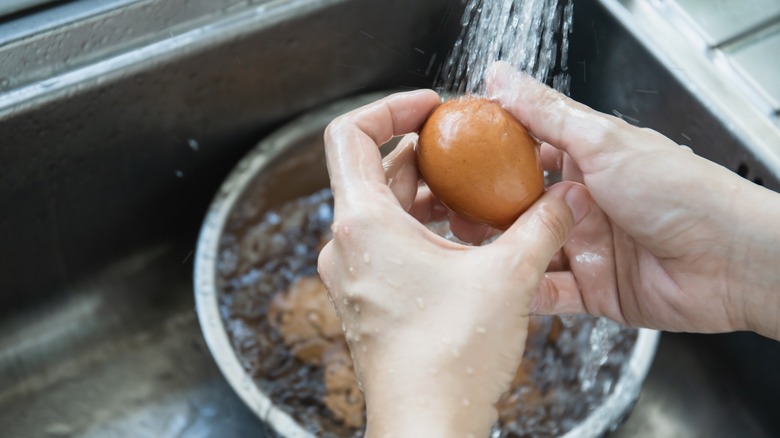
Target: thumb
543,229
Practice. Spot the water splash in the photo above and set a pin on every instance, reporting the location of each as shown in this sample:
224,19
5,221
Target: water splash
531,35
602,340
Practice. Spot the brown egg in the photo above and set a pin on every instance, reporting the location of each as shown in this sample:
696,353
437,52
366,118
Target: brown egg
480,161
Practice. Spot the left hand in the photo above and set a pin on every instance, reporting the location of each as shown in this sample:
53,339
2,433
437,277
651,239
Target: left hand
437,329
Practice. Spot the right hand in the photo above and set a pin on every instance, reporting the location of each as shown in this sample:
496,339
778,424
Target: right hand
676,243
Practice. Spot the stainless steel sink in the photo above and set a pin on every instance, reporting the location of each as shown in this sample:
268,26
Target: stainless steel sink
110,160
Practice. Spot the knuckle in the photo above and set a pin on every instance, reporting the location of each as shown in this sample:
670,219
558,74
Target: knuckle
353,227
547,296
607,132
324,259
336,126
554,106
555,225
357,219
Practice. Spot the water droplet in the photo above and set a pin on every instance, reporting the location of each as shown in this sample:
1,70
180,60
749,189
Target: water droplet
455,352
391,371
346,301
480,329
351,269
420,303
392,282
347,231
469,371
343,327
466,402
366,258
357,308
193,144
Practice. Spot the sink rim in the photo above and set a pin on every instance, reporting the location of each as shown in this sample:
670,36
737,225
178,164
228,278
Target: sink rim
606,417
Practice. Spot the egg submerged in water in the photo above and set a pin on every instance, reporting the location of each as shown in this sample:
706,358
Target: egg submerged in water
480,161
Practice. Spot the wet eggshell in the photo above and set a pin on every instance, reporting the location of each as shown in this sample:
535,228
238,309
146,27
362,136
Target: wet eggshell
480,161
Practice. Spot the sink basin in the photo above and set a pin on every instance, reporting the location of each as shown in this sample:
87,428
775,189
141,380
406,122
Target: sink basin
109,164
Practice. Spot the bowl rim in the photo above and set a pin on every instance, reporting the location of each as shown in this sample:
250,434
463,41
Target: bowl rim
215,334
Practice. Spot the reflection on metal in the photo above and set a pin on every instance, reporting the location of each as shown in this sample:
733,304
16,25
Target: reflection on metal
707,73
40,58
759,61
741,37
8,7
725,21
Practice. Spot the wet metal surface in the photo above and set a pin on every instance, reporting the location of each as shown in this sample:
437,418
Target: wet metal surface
123,357
742,38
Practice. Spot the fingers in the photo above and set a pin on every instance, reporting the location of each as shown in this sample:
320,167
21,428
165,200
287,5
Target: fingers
552,158
401,171
572,172
468,231
551,116
543,229
558,293
352,140
427,207
559,262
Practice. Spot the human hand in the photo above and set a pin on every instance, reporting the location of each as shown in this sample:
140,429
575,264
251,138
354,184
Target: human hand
437,329
677,242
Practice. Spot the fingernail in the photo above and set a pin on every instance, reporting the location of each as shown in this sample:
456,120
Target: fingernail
579,201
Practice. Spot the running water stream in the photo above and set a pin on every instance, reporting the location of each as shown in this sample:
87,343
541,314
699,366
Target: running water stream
531,35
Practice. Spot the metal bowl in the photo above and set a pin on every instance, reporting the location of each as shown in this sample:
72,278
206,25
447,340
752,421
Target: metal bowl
286,165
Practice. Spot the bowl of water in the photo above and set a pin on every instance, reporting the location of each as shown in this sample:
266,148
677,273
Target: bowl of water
259,242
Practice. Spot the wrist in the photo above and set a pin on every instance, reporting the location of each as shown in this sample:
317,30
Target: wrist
426,398
424,415
756,278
